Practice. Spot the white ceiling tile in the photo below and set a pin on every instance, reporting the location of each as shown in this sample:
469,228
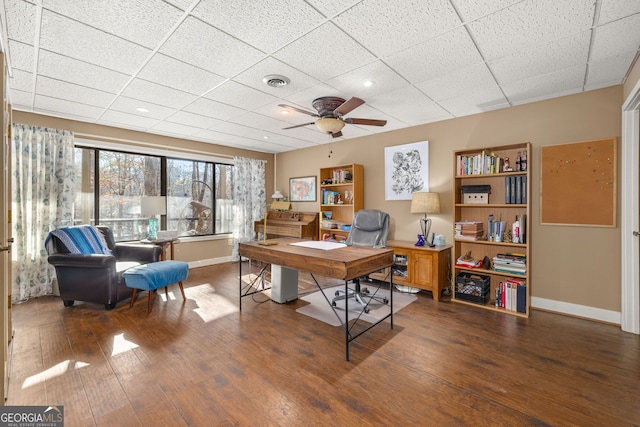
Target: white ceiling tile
611,10
20,100
209,108
21,21
208,48
528,23
181,4
433,58
213,136
259,121
542,59
352,82
325,52
411,106
231,92
265,25
609,69
170,72
75,40
476,101
142,22
157,94
234,129
253,77
458,83
129,121
63,108
74,71
402,25
473,9
124,104
21,56
22,81
176,129
331,8
195,120
71,92
601,85
607,41
569,80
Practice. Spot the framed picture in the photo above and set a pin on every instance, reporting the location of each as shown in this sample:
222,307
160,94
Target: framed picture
302,189
406,170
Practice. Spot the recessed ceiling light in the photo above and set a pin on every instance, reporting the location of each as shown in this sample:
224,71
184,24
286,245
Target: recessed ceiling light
265,137
276,80
285,112
142,110
368,83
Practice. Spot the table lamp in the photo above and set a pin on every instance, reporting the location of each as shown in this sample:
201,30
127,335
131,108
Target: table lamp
152,206
426,203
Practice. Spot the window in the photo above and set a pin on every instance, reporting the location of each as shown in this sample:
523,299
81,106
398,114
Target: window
198,193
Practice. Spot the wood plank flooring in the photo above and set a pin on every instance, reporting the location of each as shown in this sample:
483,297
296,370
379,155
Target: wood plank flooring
204,363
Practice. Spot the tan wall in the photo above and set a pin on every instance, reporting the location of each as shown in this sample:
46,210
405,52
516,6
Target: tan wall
189,252
632,80
579,265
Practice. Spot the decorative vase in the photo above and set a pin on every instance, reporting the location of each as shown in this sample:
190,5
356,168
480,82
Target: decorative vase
153,229
420,241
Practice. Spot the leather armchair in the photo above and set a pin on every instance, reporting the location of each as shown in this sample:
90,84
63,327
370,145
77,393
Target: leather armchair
97,278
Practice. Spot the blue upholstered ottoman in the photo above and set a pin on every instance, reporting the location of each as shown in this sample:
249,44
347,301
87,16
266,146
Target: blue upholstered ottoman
155,275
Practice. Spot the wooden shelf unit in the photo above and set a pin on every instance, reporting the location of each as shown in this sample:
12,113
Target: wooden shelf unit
501,211
341,212
420,267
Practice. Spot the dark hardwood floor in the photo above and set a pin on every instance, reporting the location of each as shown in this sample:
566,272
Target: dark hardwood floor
204,363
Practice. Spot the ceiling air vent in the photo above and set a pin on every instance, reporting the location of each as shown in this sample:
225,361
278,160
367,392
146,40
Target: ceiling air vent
275,80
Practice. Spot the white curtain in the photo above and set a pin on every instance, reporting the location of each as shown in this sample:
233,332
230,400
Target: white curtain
249,198
42,200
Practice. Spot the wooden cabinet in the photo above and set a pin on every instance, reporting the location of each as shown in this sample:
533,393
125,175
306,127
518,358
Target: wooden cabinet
419,266
341,196
485,167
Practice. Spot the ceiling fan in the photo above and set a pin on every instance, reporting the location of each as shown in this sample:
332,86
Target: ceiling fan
330,112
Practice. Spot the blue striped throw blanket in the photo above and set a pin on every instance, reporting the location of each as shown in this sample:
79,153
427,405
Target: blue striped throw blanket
81,239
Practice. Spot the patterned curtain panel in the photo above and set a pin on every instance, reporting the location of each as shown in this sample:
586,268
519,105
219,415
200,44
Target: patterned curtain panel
42,200
249,198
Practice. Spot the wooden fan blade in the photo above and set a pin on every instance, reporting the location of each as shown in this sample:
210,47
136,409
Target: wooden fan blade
369,122
337,134
299,110
298,126
348,106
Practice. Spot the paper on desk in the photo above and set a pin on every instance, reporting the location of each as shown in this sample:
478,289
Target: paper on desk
319,244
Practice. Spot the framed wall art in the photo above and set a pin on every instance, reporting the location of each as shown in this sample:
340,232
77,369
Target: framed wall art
406,170
302,189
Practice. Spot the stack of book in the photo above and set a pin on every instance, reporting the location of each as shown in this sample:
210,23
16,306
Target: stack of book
512,295
468,261
510,263
469,230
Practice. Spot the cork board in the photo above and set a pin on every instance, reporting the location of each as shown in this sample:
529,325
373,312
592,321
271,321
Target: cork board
578,183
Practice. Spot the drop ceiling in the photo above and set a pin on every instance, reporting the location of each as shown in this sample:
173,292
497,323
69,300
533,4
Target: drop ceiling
198,66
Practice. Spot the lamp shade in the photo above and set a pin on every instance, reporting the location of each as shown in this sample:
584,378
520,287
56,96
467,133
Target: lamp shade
329,124
423,202
153,205
277,195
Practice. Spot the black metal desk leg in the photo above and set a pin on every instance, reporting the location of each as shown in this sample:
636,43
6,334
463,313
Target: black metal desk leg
346,319
240,284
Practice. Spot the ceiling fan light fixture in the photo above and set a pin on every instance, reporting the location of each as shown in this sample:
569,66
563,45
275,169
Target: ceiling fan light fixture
329,124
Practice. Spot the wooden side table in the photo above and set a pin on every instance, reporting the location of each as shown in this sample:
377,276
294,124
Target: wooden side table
163,243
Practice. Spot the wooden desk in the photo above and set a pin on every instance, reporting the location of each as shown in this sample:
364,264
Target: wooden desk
345,263
289,224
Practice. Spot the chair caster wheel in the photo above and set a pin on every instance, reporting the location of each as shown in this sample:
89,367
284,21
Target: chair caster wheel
365,291
386,301
337,293
366,310
333,303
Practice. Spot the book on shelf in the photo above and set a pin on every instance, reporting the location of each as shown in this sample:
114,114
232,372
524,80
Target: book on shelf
482,163
515,189
511,294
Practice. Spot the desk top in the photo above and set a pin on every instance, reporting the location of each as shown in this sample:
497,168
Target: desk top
344,263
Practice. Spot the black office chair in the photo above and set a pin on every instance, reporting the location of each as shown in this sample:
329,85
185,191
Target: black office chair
370,228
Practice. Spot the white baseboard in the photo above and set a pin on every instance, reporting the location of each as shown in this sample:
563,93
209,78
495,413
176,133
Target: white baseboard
210,261
577,310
